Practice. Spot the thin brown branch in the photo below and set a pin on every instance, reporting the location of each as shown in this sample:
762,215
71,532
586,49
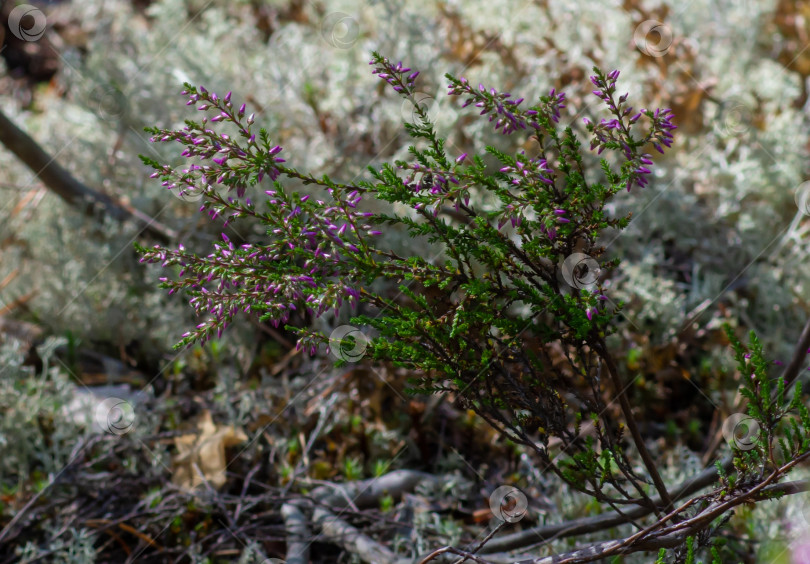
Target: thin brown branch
627,409
588,525
676,534
484,541
450,550
67,187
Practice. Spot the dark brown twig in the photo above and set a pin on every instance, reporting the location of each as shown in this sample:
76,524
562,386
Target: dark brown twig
638,440
64,185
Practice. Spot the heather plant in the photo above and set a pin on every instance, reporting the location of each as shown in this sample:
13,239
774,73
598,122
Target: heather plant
730,178
506,309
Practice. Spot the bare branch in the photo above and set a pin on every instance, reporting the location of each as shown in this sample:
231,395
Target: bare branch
298,534
64,185
352,540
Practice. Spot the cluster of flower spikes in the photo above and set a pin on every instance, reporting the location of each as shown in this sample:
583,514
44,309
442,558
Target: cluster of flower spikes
224,282
613,131
207,144
319,230
616,131
509,118
448,185
500,105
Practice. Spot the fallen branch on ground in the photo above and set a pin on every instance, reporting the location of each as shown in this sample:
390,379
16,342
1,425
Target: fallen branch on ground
63,184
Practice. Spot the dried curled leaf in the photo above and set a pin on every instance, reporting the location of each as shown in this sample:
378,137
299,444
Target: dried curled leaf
204,449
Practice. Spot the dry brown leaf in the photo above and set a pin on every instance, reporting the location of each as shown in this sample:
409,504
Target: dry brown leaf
206,450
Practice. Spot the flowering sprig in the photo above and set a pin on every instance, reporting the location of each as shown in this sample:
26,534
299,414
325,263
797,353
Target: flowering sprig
615,133
226,162
325,239
501,105
393,75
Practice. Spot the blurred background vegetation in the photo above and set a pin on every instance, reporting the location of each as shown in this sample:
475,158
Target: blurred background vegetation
717,237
